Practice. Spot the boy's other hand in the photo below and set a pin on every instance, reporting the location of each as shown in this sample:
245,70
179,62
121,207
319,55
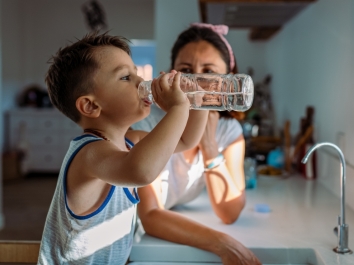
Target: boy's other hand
166,95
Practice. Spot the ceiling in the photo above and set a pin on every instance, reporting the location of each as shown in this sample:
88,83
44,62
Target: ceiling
264,17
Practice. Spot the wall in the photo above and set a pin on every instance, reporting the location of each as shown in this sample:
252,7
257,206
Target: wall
31,31
34,30
172,17
312,63
1,134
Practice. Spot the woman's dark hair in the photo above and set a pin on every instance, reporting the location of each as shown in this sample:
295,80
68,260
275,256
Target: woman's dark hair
72,68
195,34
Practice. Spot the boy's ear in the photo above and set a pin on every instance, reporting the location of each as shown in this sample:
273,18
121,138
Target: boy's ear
88,107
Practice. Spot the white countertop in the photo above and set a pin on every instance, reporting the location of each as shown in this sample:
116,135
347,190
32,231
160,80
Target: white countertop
303,215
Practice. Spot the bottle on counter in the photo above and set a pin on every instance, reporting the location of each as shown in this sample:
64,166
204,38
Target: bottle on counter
211,91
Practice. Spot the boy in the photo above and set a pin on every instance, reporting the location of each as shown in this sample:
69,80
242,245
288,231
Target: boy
94,82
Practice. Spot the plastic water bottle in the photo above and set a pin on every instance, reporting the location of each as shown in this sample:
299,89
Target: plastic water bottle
211,91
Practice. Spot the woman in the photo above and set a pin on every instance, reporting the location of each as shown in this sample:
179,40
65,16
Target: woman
217,162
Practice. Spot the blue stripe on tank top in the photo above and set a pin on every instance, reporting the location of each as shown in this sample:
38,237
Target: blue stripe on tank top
133,199
129,142
78,138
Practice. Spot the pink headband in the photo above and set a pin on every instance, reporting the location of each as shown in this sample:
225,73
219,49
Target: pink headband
220,30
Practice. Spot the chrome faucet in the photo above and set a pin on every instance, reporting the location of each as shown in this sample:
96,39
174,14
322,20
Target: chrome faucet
342,227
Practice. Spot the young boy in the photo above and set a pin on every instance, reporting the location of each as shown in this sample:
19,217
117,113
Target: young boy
92,215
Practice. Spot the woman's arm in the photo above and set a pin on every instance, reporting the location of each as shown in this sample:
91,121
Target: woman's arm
226,182
174,227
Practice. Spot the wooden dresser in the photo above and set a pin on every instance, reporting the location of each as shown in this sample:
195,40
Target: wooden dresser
43,135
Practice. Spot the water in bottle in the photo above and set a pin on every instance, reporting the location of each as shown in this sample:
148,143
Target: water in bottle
211,91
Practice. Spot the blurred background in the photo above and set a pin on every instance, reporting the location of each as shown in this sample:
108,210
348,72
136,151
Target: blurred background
300,55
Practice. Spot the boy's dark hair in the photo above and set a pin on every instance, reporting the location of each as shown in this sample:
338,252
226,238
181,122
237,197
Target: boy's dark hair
195,34
72,68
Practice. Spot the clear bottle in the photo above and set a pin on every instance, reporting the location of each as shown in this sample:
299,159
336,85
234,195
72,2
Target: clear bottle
211,91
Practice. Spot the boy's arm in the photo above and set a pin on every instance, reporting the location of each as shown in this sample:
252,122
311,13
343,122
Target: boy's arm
143,163
191,135
193,130
174,227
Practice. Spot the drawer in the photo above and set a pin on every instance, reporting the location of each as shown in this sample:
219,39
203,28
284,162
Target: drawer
47,139
45,160
24,122
48,123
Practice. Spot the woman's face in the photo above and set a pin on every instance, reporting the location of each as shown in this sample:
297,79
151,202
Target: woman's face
200,57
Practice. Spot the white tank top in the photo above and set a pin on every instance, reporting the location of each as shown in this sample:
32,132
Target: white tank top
182,182
102,237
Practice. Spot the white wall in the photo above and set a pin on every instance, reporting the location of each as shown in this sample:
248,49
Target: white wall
312,63
172,17
248,54
311,60
1,132
34,30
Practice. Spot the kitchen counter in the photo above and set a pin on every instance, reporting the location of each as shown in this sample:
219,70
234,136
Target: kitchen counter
303,215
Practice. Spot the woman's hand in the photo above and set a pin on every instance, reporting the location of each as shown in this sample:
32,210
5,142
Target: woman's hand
234,253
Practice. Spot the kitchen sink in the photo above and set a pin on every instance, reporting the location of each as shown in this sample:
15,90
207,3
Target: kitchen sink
268,256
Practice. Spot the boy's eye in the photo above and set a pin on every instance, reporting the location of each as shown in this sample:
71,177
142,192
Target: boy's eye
127,77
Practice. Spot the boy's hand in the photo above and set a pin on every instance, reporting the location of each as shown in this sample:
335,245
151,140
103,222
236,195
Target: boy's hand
167,96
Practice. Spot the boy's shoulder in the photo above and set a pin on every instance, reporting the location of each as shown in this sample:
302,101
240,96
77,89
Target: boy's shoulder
135,135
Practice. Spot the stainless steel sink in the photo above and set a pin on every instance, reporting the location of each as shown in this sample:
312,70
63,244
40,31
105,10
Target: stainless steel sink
268,256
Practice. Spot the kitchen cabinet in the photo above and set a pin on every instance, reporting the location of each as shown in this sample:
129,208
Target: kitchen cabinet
264,17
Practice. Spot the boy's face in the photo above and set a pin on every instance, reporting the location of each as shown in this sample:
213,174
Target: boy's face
116,84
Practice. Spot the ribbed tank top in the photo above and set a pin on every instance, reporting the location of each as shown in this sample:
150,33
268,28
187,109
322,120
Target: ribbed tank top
101,237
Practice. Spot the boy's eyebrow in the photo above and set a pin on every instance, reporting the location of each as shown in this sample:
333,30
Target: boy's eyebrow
120,67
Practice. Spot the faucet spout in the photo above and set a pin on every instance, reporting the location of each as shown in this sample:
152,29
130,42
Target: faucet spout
342,247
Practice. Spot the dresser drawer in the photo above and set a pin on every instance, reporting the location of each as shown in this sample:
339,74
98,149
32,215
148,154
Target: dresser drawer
45,139
44,134
48,123
45,160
